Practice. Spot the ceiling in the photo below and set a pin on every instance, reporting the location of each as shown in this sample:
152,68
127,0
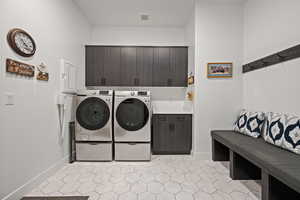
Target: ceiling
127,12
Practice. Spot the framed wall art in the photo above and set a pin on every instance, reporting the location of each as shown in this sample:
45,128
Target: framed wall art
219,70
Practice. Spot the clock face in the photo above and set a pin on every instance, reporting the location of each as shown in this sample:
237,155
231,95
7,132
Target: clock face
21,42
24,43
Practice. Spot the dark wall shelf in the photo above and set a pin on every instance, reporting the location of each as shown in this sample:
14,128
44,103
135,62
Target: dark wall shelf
282,56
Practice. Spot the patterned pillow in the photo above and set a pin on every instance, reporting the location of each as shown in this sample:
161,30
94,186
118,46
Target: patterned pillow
250,123
283,130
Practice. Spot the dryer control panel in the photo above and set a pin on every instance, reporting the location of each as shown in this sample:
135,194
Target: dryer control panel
132,93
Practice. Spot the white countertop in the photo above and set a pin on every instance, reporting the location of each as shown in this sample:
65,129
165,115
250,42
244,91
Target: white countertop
172,107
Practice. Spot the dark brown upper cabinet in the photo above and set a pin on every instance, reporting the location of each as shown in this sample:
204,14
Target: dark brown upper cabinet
170,67
103,66
128,66
112,66
94,59
136,66
161,67
178,66
145,61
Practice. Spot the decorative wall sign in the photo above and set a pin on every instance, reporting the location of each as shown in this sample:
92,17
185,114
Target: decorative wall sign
191,80
219,70
42,75
21,42
19,68
190,96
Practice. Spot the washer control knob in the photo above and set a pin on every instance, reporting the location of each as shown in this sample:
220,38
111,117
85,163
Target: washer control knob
132,93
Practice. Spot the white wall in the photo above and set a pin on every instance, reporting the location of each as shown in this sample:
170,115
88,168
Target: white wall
189,37
143,36
126,35
271,26
29,136
219,32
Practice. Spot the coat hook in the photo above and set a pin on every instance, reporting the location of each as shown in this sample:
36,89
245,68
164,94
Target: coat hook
280,57
264,62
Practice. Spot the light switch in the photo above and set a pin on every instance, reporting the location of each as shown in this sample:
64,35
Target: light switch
9,99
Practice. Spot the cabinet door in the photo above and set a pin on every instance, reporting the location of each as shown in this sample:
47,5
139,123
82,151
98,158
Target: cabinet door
144,66
178,66
182,136
161,67
94,65
112,66
161,135
128,66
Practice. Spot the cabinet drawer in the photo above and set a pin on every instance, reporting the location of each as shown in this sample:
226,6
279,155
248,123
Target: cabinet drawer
94,151
132,151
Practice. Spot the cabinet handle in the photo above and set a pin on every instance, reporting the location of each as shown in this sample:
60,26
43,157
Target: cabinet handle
93,144
103,81
136,81
180,118
171,127
161,118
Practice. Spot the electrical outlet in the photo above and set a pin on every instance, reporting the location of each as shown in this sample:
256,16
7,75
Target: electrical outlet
9,99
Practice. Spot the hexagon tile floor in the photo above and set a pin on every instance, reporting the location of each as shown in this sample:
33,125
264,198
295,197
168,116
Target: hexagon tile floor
164,178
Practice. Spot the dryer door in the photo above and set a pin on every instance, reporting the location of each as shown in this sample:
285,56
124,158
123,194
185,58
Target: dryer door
92,113
132,114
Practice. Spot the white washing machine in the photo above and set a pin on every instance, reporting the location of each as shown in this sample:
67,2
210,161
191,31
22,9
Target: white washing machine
132,125
93,125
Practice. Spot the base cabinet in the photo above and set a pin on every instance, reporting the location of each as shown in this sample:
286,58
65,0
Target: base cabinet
172,134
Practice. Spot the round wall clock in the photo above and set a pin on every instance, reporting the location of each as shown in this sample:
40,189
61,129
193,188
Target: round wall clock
21,42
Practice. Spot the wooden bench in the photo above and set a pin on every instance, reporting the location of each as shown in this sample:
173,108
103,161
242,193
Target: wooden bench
254,159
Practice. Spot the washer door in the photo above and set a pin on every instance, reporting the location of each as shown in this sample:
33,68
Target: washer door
132,114
92,113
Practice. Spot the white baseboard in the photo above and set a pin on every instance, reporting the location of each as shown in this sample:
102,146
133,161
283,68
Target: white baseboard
202,155
35,181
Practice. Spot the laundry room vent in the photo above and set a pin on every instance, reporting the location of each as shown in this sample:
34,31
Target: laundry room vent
145,17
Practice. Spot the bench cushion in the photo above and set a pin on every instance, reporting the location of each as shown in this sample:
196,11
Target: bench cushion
277,161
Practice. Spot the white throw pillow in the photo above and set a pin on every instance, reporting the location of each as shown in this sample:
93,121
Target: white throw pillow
283,130
250,123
